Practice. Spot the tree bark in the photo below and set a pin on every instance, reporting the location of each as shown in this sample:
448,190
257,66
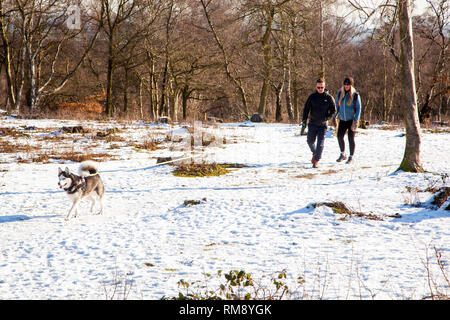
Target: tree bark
321,39
289,76
411,158
267,51
278,92
109,84
296,109
7,54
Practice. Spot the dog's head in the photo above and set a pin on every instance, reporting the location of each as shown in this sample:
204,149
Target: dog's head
65,180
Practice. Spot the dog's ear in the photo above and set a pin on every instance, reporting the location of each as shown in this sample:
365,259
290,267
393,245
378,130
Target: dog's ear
59,170
67,170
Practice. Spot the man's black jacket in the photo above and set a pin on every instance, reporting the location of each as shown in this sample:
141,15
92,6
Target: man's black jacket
322,108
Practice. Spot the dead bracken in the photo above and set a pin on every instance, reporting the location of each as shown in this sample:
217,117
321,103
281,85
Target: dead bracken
441,197
341,208
204,169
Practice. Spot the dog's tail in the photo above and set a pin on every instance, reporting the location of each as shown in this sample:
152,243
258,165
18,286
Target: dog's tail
87,168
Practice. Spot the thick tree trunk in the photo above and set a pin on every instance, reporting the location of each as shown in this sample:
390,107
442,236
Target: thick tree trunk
411,158
267,52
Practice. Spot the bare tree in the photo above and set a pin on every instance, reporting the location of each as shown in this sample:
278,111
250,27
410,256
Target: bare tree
433,28
261,14
235,79
43,33
14,88
117,17
411,158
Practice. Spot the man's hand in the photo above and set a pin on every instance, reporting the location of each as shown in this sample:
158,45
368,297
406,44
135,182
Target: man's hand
302,131
333,122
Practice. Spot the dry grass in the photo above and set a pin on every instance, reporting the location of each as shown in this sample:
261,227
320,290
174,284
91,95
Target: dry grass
147,145
64,157
330,172
306,176
13,132
312,175
7,146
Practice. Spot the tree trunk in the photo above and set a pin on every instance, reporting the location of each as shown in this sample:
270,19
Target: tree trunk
289,79
125,93
426,110
173,100
163,107
278,92
296,109
109,80
184,99
385,94
321,39
7,56
140,104
267,52
109,91
156,98
411,157
152,89
32,92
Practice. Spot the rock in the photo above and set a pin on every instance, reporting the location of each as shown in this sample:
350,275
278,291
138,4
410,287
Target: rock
215,120
75,129
163,159
256,117
164,120
107,132
440,123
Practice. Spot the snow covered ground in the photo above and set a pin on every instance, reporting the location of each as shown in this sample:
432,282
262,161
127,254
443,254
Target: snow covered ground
258,218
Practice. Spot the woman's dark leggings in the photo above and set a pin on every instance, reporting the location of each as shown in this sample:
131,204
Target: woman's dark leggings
343,127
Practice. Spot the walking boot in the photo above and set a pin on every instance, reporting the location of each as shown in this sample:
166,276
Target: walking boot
350,160
315,163
341,157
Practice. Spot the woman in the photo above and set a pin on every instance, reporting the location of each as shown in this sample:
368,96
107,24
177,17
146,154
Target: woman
348,105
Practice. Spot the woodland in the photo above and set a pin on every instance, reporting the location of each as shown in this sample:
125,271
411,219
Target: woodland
216,59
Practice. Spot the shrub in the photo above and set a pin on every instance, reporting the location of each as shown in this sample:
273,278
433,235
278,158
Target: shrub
238,285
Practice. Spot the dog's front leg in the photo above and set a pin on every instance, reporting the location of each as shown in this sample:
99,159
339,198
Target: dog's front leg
74,207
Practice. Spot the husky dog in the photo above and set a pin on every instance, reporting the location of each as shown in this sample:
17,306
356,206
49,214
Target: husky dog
86,184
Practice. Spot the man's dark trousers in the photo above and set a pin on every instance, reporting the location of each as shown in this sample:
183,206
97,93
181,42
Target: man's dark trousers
316,132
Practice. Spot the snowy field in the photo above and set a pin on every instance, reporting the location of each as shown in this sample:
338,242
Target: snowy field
259,218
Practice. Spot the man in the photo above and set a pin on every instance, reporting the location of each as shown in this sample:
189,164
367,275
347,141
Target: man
319,107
